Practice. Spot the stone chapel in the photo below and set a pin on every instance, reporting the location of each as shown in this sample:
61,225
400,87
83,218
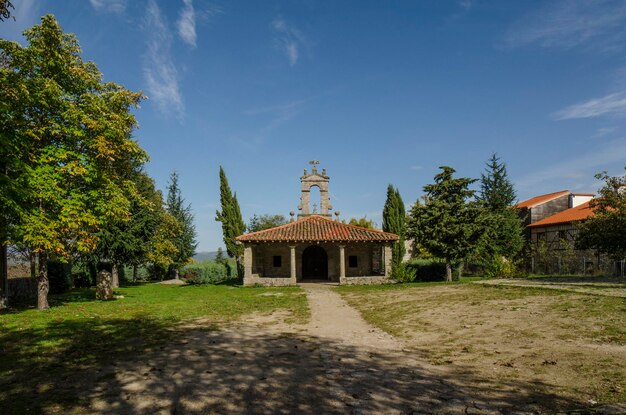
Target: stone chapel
315,247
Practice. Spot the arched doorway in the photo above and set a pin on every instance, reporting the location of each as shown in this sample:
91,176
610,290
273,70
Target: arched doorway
314,263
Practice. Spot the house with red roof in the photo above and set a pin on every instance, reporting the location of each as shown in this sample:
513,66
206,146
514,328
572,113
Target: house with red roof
552,227
561,227
315,246
540,207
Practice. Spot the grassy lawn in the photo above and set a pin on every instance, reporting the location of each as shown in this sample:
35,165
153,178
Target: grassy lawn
80,334
574,343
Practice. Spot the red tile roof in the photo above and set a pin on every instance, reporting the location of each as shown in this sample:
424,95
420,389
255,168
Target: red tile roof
316,229
537,200
580,212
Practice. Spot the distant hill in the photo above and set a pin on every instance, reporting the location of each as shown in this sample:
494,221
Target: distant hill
202,256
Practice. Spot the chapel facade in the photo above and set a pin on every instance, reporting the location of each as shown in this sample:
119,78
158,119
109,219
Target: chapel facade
315,247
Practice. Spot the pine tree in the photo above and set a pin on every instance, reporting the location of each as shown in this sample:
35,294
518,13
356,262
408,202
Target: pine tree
448,224
232,221
503,225
496,190
394,221
185,240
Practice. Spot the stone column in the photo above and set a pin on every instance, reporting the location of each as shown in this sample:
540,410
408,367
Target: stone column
247,266
292,264
387,256
342,264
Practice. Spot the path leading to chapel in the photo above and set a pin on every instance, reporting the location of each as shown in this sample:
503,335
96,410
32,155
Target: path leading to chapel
335,364
334,319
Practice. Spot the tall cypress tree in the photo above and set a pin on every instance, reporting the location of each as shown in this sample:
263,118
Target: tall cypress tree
232,221
394,221
185,240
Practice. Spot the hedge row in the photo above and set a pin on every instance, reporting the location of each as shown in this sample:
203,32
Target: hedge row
205,272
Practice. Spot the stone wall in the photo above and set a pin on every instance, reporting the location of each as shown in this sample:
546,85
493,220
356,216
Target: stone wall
365,280
255,279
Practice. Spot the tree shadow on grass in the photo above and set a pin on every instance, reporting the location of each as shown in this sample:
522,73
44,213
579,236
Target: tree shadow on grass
143,366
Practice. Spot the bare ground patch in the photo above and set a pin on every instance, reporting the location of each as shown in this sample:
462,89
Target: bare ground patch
574,344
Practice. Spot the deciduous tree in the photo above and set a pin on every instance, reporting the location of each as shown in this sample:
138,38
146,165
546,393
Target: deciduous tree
606,229
265,221
6,10
363,222
73,132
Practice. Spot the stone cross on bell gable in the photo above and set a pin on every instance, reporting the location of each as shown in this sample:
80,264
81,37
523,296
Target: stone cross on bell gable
314,164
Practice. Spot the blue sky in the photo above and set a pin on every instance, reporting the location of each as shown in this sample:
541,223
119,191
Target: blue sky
379,92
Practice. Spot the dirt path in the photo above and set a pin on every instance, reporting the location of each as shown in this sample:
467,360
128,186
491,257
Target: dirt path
332,318
336,364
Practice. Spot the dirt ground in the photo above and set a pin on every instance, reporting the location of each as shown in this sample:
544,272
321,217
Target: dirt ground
607,286
337,363
557,341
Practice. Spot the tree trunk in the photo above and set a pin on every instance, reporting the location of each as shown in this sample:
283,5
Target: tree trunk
115,277
448,271
4,277
43,285
33,265
134,273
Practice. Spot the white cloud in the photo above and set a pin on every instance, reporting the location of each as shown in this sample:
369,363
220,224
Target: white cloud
568,24
288,39
187,24
159,70
109,6
613,104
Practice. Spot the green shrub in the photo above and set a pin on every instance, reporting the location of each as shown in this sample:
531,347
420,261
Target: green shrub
500,267
205,272
402,272
427,269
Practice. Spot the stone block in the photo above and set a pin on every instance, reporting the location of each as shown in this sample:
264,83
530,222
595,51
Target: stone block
104,286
